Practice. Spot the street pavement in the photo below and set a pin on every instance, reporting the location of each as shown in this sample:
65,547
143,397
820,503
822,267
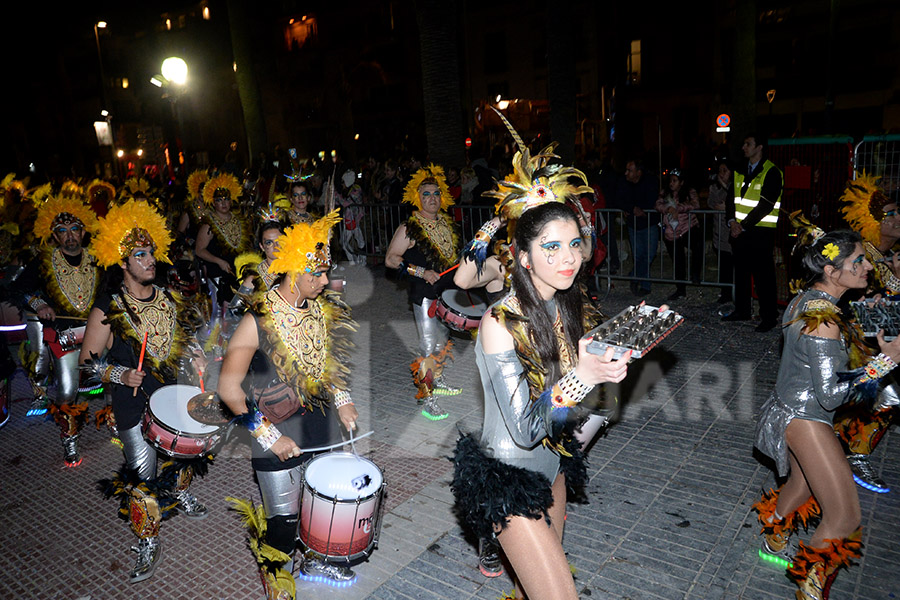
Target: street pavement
671,483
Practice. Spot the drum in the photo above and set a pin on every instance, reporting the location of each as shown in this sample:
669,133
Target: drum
460,310
340,514
171,430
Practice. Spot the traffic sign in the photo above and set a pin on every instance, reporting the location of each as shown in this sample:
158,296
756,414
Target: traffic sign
723,120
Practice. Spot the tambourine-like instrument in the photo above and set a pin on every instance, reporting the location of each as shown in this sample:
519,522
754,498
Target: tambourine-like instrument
876,316
637,328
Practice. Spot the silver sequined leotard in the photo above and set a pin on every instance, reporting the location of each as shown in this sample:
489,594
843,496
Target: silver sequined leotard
807,386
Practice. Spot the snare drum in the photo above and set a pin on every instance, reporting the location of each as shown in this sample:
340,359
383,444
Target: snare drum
170,429
340,515
460,310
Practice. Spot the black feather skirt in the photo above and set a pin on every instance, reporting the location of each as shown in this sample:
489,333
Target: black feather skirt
488,491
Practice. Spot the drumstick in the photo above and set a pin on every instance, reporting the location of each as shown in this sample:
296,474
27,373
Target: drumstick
202,388
448,270
141,359
471,302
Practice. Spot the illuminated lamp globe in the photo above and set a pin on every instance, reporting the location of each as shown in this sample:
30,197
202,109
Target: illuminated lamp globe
175,70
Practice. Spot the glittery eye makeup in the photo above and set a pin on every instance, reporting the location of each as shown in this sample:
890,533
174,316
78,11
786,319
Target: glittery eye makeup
550,249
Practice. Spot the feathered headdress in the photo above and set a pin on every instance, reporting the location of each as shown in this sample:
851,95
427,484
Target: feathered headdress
219,186
62,210
126,227
431,174
98,187
71,188
195,181
807,233
304,247
40,193
11,189
273,210
134,185
864,207
535,181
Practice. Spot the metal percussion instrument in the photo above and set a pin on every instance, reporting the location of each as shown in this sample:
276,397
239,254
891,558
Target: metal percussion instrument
637,328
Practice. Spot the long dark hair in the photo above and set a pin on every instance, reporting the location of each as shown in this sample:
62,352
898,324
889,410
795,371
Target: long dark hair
569,302
815,262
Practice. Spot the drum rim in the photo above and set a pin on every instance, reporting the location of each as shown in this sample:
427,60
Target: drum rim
156,419
332,499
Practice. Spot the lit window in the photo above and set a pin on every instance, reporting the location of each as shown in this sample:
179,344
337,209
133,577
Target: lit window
124,83
299,32
206,13
168,24
634,63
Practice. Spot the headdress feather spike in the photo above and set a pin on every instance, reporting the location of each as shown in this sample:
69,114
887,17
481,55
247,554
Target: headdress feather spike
807,233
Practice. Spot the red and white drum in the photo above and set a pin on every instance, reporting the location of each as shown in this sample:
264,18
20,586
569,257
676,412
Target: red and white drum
169,427
460,310
340,514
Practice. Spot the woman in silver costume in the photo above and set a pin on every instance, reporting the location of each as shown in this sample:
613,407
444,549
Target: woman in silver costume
795,425
512,483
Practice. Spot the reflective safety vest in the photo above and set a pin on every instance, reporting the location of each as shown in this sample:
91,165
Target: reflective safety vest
744,204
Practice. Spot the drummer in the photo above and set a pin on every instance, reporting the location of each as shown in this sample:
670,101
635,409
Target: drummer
422,248
296,389
138,326
59,285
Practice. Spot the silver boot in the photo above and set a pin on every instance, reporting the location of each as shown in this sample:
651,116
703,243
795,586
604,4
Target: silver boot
442,388
148,553
313,568
70,448
865,475
433,411
192,508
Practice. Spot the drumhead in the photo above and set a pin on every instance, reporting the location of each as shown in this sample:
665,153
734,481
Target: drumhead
169,406
464,302
343,476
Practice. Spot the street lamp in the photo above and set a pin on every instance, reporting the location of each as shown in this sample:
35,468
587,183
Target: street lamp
174,72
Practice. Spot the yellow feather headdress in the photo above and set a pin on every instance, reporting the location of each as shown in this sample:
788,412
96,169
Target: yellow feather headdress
304,247
430,174
98,186
535,180
11,189
225,182
136,184
126,227
63,209
40,193
195,181
71,188
864,207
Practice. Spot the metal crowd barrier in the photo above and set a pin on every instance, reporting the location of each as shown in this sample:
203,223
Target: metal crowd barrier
879,155
713,266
